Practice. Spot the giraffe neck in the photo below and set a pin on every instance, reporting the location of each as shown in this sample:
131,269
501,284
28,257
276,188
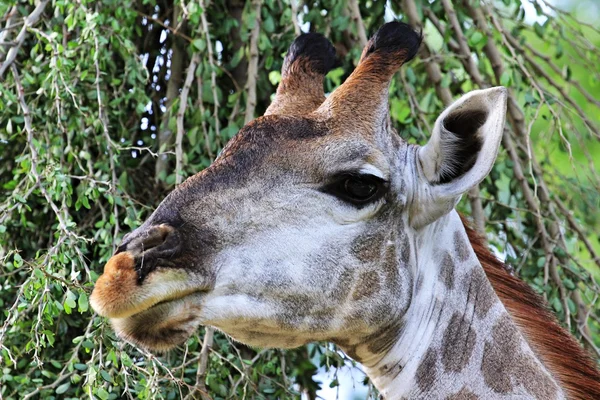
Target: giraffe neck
458,341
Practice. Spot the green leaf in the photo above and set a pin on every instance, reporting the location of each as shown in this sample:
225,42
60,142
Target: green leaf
541,262
475,38
82,301
268,24
199,44
38,273
106,376
85,202
70,303
505,78
539,29
50,336
102,393
80,367
569,284
274,77
63,388
126,360
556,304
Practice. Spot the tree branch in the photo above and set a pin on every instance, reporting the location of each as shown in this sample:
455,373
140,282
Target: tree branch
180,115
360,25
31,20
253,64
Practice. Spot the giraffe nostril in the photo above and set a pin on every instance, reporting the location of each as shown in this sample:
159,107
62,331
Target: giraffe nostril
156,236
159,240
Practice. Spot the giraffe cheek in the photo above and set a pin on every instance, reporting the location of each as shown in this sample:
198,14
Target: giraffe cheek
114,289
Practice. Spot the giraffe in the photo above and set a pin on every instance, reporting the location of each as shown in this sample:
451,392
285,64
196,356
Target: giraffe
317,222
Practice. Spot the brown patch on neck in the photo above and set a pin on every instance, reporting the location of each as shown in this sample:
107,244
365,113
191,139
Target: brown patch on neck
569,364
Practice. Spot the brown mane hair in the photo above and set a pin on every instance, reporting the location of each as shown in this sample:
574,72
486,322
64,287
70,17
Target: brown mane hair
565,359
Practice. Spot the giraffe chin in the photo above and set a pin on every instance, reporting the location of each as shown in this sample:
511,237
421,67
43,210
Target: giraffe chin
162,326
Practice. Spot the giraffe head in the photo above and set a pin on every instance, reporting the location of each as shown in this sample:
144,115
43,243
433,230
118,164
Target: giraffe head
301,229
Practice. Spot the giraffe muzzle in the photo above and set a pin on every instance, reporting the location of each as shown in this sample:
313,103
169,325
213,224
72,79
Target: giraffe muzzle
143,273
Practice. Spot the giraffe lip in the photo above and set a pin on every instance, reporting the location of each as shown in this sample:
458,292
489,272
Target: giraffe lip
163,325
170,299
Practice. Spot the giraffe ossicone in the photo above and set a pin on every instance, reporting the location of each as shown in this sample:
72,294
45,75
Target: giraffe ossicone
319,223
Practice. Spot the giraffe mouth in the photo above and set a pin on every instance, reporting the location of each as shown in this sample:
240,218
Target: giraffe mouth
174,298
163,325
118,294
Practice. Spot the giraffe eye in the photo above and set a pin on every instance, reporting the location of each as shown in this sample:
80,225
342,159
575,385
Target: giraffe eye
357,189
360,189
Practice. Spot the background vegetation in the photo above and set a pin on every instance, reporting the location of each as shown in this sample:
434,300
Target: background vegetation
106,105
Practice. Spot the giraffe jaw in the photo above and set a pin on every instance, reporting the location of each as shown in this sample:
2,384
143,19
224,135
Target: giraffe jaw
164,325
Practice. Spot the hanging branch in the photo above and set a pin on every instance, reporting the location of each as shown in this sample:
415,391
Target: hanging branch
181,113
109,142
62,223
560,88
517,122
253,65
435,75
200,104
557,70
213,70
294,6
165,136
10,25
360,25
31,20
203,363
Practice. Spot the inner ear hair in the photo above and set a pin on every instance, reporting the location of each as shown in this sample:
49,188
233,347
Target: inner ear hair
461,142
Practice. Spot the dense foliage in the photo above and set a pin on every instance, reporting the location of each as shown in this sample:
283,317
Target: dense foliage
106,105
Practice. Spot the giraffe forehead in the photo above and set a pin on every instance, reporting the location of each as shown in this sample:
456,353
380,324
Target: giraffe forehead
274,146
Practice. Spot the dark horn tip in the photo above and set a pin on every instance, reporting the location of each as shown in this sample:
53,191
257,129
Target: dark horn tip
316,49
394,37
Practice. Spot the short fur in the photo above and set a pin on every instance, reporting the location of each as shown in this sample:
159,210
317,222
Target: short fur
561,354
300,91
395,38
118,281
316,49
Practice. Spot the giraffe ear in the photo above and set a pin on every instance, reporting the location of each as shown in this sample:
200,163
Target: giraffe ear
461,152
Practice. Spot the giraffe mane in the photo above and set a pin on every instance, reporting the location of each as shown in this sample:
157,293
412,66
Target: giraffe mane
566,360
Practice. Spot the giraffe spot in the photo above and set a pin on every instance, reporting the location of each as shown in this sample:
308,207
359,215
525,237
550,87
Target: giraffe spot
382,340
367,247
500,356
427,371
464,394
379,314
367,284
460,246
295,311
484,295
537,382
344,281
504,363
447,270
458,343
